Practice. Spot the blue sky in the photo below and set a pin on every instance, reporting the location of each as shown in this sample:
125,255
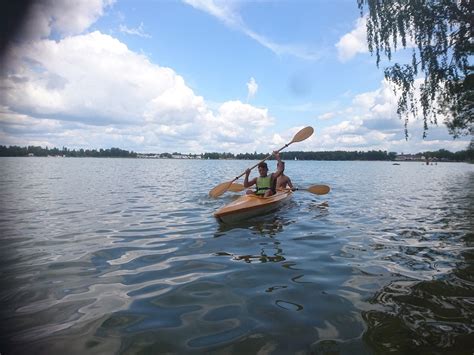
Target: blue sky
198,76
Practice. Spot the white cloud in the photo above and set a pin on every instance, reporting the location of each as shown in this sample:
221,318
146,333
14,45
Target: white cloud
139,31
370,122
93,77
247,115
353,42
241,124
378,104
64,17
223,10
326,116
252,88
176,104
91,90
278,140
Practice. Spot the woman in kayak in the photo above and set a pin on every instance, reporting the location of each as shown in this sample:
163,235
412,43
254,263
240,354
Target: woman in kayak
283,181
266,185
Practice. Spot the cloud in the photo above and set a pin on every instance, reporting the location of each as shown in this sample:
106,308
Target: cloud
224,10
326,116
175,105
252,88
353,42
378,104
240,123
228,13
62,17
91,90
370,115
92,77
139,31
370,122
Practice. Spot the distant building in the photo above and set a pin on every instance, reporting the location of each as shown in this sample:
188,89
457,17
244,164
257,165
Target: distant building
409,157
186,156
173,156
148,156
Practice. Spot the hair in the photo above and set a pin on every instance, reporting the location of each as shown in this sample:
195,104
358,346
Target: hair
263,165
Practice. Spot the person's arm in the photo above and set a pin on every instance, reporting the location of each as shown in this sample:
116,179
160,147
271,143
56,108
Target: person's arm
279,171
289,183
248,183
277,155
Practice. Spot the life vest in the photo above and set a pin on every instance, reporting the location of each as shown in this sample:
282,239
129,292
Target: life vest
263,184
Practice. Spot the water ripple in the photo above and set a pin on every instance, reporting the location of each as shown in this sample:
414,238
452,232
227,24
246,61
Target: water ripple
110,256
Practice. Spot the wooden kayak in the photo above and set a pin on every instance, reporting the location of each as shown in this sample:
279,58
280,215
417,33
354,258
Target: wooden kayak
249,206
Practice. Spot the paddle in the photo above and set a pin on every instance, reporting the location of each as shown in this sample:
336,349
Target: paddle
300,136
234,187
314,189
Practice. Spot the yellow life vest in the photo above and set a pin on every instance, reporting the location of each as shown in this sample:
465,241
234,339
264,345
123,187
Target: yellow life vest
263,184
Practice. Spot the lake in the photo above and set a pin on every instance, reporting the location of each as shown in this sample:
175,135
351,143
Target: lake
124,256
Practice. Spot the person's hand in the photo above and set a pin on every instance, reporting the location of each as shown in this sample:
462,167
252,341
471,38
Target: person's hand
276,153
247,172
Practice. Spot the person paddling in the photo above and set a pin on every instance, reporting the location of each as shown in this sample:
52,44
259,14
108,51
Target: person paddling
265,184
283,181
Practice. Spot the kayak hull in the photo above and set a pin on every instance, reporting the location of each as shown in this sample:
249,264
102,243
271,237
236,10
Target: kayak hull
249,206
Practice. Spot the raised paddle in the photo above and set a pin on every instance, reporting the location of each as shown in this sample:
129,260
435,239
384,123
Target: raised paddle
300,136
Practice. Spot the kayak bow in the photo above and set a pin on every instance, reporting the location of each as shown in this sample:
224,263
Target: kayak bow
249,206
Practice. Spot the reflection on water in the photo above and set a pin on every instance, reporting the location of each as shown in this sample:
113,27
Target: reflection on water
428,315
267,225
98,257
267,228
431,307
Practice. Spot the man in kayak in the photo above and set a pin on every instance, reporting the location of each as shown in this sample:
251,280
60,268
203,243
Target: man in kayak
266,184
283,181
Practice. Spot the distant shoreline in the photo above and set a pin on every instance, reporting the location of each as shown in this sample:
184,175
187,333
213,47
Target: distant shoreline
341,160
441,155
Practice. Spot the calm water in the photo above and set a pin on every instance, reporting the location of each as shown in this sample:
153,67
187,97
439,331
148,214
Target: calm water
124,256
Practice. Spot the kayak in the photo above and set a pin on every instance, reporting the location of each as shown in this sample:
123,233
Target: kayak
249,206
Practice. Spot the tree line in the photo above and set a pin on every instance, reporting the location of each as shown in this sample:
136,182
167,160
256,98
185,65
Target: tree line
442,154
16,151
300,155
372,155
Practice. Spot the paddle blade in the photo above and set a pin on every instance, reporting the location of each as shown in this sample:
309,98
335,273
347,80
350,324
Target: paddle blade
303,134
236,187
220,189
319,189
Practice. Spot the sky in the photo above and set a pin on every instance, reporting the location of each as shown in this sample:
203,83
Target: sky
198,76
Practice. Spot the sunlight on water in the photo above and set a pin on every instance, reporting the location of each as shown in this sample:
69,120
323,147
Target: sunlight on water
124,256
